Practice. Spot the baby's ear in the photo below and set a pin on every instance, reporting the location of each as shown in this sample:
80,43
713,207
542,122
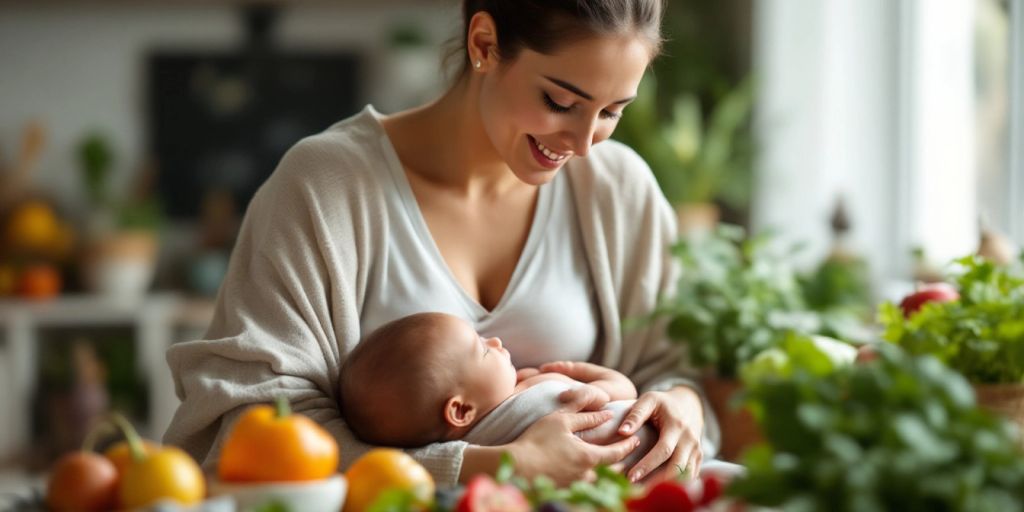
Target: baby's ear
458,412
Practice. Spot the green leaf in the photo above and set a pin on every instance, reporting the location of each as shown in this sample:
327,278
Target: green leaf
506,468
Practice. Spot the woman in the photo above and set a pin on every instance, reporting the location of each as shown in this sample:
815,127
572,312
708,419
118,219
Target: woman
495,203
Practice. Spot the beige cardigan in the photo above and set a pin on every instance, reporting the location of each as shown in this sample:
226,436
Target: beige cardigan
288,310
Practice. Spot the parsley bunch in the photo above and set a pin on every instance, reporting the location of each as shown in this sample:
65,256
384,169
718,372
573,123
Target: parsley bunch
899,433
981,335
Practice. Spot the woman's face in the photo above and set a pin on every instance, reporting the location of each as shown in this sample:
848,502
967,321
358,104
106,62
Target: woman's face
541,110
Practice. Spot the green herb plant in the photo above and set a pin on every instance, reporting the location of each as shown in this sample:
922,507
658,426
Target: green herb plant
735,298
96,158
898,433
981,335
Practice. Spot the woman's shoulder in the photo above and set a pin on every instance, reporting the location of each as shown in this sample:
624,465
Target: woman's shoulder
347,156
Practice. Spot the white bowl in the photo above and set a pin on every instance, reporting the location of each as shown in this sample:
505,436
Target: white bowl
327,495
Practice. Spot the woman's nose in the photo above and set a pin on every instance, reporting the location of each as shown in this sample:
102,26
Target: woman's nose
583,137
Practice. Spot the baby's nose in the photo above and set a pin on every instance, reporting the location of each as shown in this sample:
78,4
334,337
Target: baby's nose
494,342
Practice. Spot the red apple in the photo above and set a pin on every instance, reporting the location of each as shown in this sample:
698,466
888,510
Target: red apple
934,292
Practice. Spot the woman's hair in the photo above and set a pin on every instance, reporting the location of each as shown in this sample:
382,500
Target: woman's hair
545,25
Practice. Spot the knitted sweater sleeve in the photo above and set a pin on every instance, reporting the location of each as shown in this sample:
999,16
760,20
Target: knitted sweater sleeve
288,310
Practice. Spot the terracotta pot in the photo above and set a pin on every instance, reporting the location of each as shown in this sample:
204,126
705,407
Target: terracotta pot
696,218
739,430
1007,400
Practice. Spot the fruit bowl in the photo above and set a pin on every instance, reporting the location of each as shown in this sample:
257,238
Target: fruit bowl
327,495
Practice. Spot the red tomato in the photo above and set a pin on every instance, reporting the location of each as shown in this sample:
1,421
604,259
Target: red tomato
82,481
713,487
483,494
667,496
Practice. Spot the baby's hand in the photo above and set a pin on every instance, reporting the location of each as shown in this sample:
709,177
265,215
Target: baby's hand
525,373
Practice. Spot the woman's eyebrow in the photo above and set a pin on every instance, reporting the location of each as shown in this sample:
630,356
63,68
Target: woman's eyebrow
579,92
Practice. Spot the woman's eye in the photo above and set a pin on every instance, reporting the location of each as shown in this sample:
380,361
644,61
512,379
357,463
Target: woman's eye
555,107
559,109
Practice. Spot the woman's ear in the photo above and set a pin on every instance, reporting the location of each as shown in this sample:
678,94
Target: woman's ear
458,412
482,41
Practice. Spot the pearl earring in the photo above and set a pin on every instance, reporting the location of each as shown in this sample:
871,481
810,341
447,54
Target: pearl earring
477,64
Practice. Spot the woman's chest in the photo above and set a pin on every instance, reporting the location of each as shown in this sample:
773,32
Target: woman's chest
544,309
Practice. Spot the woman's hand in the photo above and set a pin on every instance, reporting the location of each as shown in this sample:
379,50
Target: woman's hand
525,373
678,414
550,447
584,398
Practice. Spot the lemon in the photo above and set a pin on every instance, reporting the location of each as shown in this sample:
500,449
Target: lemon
32,227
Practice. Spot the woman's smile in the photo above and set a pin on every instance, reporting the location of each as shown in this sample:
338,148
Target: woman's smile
545,156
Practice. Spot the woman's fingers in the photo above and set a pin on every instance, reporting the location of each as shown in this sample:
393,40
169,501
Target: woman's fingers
668,443
696,458
684,460
615,452
526,373
586,420
585,372
638,414
587,398
557,366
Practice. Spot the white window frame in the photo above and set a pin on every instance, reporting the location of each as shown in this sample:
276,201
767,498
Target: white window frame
1016,188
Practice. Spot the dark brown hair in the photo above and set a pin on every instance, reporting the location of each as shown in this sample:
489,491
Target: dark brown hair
393,384
545,25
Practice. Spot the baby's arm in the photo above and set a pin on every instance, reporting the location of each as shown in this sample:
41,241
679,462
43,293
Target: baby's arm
527,377
617,385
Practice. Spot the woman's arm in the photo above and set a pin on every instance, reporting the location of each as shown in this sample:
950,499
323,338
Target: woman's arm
288,310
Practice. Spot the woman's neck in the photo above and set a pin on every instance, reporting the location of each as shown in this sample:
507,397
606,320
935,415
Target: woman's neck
448,145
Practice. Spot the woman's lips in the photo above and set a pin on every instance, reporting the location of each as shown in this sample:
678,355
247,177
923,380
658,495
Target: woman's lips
542,159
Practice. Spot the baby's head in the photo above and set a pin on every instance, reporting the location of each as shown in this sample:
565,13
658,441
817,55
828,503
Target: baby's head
423,378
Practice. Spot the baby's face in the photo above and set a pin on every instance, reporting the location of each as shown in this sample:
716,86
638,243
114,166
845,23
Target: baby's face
487,372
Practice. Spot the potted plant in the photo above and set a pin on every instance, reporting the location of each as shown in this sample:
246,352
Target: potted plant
735,298
122,234
697,158
897,433
975,327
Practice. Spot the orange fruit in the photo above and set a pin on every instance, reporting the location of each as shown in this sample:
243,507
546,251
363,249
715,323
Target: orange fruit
39,282
8,280
32,227
382,469
269,444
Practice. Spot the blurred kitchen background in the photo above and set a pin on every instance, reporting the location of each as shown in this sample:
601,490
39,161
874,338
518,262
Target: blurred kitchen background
883,137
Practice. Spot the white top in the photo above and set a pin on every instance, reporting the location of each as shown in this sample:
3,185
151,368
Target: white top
548,310
310,249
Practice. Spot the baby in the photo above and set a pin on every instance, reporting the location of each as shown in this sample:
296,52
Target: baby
431,377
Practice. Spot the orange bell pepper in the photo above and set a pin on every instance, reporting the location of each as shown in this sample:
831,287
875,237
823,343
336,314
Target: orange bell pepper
270,444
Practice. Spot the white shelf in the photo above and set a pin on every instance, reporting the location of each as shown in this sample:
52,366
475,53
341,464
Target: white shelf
156,320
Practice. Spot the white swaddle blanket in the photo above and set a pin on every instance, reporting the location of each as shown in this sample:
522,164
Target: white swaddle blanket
507,421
